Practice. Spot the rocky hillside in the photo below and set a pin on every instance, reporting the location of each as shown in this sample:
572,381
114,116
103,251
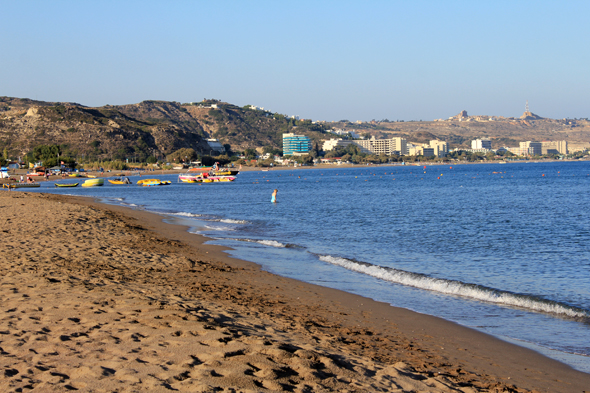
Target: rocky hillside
137,131
460,132
107,132
250,128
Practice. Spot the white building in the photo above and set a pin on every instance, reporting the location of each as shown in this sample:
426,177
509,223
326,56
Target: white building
481,144
554,147
383,146
335,143
530,148
441,148
342,132
423,150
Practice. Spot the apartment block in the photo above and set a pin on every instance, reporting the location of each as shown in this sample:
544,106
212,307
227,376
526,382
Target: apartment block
481,144
296,144
383,146
554,147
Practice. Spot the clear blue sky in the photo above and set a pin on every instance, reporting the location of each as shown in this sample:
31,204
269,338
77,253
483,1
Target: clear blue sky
323,60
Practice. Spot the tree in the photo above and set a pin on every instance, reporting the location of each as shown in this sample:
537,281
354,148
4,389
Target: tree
47,154
250,154
334,153
228,149
182,155
271,150
490,155
266,163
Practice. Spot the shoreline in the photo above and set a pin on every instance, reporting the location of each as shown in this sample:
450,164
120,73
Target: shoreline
433,349
155,172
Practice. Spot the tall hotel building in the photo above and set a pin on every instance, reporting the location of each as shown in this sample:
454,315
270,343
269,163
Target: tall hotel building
383,146
294,145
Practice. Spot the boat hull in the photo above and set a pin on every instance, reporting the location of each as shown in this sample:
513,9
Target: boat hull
93,183
21,185
66,185
205,179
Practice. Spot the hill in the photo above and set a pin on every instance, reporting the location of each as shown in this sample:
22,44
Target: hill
138,131
461,129
158,128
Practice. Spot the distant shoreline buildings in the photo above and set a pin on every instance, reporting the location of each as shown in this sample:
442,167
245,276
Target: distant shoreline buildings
525,149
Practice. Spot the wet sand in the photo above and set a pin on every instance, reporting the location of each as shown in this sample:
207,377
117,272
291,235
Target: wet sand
103,298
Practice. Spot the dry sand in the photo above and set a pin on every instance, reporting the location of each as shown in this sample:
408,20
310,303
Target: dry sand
101,298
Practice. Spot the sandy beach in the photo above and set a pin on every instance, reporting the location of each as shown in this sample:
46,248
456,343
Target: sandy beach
102,298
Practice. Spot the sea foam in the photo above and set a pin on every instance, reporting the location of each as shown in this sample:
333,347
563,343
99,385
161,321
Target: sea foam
457,288
185,214
270,243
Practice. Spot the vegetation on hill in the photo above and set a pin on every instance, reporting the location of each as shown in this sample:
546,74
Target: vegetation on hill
245,127
143,132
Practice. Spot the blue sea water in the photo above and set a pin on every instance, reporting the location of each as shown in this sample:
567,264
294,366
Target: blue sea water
502,248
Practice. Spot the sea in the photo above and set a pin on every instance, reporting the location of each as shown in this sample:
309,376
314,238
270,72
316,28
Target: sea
501,248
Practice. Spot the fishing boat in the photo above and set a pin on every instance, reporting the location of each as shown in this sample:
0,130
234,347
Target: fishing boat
67,185
93,183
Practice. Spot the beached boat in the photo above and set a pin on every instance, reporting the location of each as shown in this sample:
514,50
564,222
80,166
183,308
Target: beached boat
67,185
21,185
93,183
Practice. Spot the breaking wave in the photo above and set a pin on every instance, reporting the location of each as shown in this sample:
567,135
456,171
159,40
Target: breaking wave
229,221
185,214
218,228
270,243
457,288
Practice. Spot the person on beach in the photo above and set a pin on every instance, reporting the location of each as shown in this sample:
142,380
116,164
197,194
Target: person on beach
273,197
